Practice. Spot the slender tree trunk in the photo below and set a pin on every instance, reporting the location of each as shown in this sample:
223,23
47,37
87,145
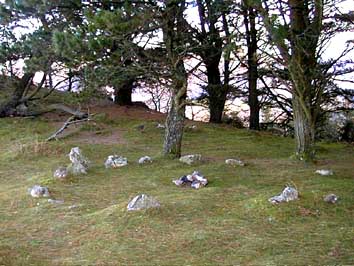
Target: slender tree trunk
8,107
174,127
251,36
173,39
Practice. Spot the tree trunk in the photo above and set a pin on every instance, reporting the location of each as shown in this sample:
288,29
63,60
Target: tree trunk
304,132
8,108
251,36
217,92
123,94
217,99
173,39
174,128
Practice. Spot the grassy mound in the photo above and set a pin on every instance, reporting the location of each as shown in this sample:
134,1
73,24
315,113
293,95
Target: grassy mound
229,222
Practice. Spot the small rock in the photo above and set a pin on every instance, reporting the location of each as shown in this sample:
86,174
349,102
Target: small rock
61,173
53,201
235,162
145,159
115,161
79,164
331,198
324,172
288,194
190,159
39,191
141,202
71,207
160,125
195,180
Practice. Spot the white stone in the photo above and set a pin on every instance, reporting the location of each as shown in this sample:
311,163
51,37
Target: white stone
61,173
141,202
79,163
331,198
115,161
160,125
53,201
324,172
145,159
190,159
235,162
195,180
288,194
39,191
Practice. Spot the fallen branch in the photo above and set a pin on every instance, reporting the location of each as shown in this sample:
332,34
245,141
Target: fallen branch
76,113
71,120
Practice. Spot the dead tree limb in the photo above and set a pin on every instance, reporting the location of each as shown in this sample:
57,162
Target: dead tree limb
70,121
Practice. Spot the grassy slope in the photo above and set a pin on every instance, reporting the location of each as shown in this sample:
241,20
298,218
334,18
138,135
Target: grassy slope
229,222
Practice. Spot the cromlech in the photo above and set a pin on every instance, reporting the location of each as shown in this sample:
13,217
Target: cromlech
176,132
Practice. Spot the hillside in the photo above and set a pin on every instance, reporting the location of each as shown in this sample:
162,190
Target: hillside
229,222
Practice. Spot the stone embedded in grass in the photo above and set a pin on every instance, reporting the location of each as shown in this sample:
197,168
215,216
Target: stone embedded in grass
79,163
53,201
38,191
331,198
195,180
61,173
324,172
115,161
160,125
190,159
288,194
235,162
145,159
141,202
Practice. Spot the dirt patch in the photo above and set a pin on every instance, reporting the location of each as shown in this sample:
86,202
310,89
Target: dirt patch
88,137
104,134
113,111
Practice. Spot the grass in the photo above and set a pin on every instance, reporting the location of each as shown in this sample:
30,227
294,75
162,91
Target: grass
229,222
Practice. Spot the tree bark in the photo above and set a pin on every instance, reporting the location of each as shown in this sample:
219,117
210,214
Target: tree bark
304,132
174,127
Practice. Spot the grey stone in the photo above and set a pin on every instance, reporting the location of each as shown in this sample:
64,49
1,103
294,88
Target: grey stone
190,159
324,172
160,125
115,161
38,191
75,206
53,201
145,159
195,180
79,163
235,162
141,202
288,194
61,173
331,198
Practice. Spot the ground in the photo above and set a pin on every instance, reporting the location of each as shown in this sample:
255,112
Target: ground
229,222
